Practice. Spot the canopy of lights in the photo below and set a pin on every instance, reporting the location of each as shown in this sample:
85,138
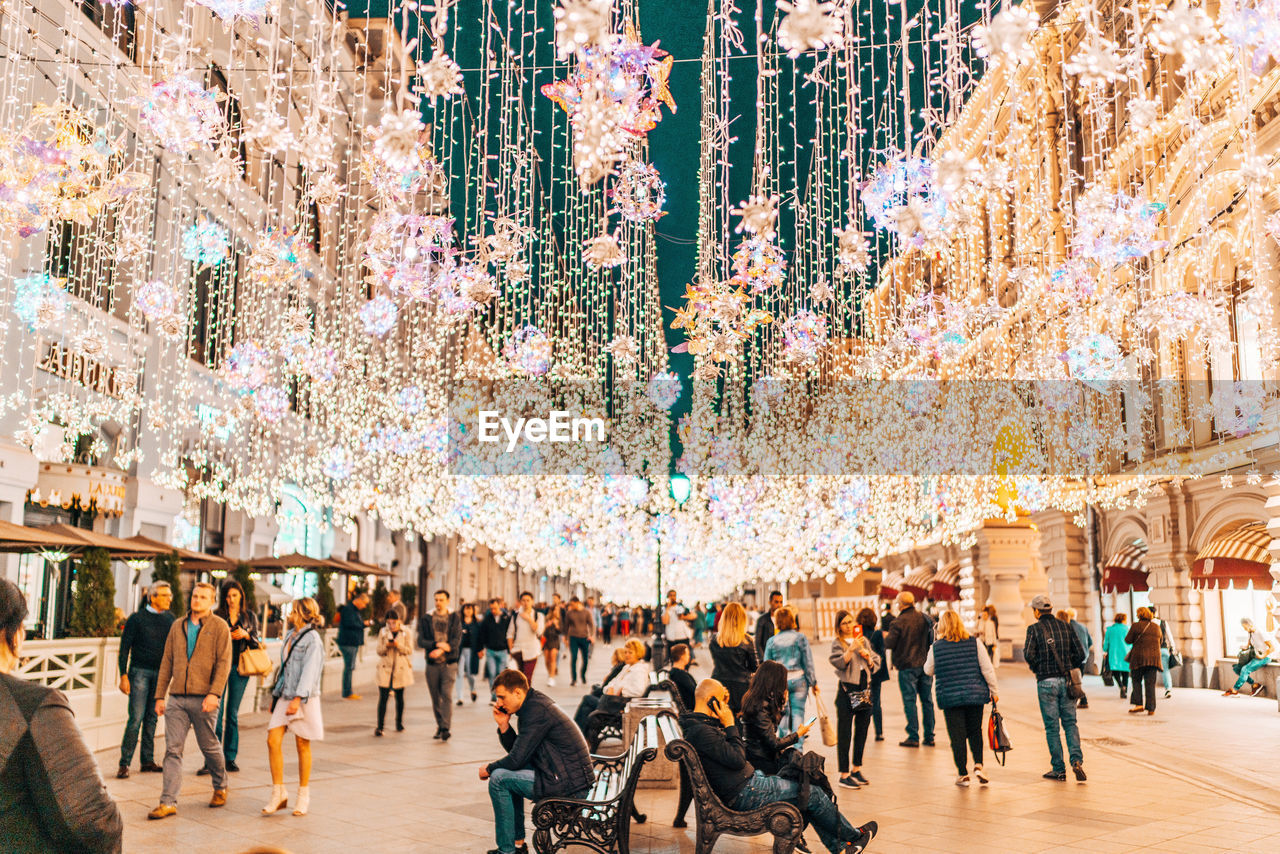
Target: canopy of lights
746,236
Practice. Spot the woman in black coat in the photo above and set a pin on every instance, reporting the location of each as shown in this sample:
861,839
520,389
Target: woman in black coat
51,796
762,708
733,654
870,630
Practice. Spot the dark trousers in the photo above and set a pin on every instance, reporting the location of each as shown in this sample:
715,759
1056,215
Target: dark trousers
877,712
585,708
964,723
526,665
1144,681
737,690
349,654
578,647
607,630
383,693
1122,679
142,716
913,683
849,722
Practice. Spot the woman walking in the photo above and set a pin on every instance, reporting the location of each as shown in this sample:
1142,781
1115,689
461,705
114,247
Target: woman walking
965,682
791,649
871,631
551,632
733,655
1144,661
51,794
244,635
856,664
295,703
1117,652
395,668
989,632
469,657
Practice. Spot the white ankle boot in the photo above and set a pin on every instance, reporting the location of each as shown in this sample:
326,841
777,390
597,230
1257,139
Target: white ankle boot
304,800
279,800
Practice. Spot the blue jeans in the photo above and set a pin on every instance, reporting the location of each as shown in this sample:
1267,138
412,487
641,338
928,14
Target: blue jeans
230,703
466,675
507,791
142,716
912,683
793,714
1056,706
1164,669
832,828
578,646
1246,674
495,661
348,667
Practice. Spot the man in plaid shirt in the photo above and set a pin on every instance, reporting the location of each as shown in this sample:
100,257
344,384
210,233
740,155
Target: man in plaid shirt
1052,649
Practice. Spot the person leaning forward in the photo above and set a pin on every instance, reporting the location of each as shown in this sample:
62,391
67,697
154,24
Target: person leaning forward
547,757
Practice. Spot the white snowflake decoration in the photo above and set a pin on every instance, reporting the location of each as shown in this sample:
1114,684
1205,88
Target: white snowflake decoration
1096,62
440,77
379,315
1008,35
759,215
810,25
1187,31
581,24
397,140
624,349
852,250
603,253
664,389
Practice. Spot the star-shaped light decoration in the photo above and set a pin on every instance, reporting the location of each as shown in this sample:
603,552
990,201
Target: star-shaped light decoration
810,25
396,144
759,214
624,349
1097,62
852,251
1187,31
603,252
440,77
1007,36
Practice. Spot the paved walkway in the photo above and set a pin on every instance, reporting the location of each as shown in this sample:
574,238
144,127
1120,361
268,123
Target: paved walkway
1200,776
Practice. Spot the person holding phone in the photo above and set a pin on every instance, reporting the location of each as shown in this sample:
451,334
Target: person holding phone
856,664
711,730
762,709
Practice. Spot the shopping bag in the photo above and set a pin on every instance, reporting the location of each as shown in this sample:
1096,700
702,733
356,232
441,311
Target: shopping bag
997,738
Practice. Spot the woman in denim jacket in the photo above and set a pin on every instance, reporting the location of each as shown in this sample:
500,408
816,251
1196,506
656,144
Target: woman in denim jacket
296,703
791,649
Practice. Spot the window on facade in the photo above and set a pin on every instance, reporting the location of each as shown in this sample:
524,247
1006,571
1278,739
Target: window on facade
213,298
1241,359
304,529
119,22
79,254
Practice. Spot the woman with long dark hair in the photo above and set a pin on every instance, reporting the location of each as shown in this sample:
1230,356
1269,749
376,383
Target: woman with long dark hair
244,635
763,707
855,663
872,632
469,659
51,794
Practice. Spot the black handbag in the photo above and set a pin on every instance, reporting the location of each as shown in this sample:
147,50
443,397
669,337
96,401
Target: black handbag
859,699
1107,678
1075,681
997,738
1244,656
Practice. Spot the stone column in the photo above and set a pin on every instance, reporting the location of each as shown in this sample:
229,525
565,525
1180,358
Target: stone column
1168,563
1005,555
1272,488
1071,580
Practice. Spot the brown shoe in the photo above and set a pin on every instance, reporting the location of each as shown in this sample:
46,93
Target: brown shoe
151,768
163,811
122,773
353,697
219,798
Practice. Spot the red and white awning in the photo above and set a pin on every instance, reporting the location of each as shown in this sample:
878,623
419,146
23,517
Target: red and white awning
1235,560
1126,570
891,585
917,581
945,586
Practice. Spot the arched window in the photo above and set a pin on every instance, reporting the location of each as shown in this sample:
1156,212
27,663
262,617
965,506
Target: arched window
304,529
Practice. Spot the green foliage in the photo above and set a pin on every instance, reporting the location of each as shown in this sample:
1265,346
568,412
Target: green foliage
409,596
324,596
93,613
168,568
379,601
241,574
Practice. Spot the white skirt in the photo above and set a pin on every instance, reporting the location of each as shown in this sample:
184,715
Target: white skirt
308,723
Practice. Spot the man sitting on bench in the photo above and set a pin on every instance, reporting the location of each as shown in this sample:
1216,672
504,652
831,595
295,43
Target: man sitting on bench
710,730
546,758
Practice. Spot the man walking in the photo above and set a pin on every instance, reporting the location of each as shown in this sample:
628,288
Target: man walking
493,642
141,649
440,635
577,621
677,620
910,635
193,673
547,758
351,626
1167,651
1052,650
394,605
764,626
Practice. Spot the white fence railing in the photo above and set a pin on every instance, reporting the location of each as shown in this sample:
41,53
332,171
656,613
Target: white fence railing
823,611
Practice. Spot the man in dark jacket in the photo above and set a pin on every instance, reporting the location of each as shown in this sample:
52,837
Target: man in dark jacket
141,648
910,635
764,626
547,758
440,636
1052,649
351,626
493,642
711,730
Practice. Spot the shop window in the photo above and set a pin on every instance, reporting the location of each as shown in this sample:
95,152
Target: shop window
119,22
304,529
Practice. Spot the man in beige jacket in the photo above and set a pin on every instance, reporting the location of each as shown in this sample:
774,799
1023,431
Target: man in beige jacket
193,673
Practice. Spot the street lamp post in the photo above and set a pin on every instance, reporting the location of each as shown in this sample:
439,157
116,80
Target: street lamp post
680,489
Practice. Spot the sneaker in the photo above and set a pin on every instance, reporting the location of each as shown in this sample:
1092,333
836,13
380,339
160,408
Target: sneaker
1168,695
162,811
879,738
862,781
551,681
1258,688
910,742
399,727
378,732
473,696
355,697
1133,710
459,703
1078,769
963,781
1055,775
1083,705
980,774
849,782
437,735
122,773
1230,692
1124,692
868,831
232,766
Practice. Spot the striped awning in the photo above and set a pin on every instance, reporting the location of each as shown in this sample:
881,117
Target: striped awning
1235,560
945,586
917,581
891,585
1126,569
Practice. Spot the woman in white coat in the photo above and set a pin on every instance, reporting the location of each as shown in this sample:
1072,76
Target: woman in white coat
395,668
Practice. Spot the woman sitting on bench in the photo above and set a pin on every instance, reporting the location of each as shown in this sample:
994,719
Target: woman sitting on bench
631,681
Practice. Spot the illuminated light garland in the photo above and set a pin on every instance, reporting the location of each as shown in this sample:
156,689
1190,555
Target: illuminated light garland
206,243
379,315
231,11
182,114
804,337
271,403
603,252
664,389
810,25
40,301
639,194
528,351
162,306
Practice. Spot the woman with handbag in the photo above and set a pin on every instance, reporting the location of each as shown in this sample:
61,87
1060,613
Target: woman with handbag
395,668
791,649
871,631
856,664
1255,653
244,637
965,681
1144,661
1115,652
295,703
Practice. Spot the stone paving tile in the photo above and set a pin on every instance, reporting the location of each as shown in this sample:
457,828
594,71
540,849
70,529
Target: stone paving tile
1151,787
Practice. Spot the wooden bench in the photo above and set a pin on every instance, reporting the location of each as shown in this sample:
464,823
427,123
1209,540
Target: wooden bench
610,725
714,819
601,820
